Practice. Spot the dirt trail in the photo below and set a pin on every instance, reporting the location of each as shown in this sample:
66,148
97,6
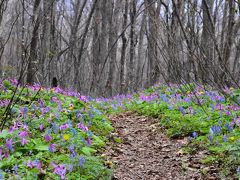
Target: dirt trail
147,153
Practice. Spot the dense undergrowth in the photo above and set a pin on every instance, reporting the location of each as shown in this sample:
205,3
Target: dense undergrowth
52,133
209,120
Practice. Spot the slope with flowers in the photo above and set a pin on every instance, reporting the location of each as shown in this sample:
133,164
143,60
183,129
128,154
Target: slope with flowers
208,121
50,133
58,134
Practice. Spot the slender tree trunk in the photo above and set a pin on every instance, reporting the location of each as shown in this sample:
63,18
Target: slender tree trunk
130,69
81,49
207,41
32,59
140,52
113,34
123,50
228,43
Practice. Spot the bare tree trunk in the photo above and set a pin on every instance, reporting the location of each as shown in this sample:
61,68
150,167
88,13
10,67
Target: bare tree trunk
3,6
32,59
140,52
113,34
130,70
123,50
78,13
228,43
81,49
153,22
207,41
191,69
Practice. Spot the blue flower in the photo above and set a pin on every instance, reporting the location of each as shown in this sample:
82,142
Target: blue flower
182,110
81,161
70,168
15,168
238,170
229,127
225,138
69,123
52,148
194,134
1,175
57,116
25,109
210,139
74,132
54,128
215,130
72,151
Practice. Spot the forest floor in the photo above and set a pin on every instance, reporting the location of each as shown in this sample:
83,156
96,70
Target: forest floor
145,152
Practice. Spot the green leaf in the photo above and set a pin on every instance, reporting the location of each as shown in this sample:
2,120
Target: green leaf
4,134
88,151
41,147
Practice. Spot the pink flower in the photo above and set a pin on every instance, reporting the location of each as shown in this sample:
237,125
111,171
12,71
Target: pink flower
6,155
82,127
228,113
41,127
63,127
0,153
23,134
52,147
30,164
60,170
89,141
23,141
47,138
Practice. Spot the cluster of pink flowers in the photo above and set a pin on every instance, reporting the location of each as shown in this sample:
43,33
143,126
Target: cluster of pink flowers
82,127
4,103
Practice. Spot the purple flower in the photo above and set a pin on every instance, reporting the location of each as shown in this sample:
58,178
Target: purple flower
25,127
72,151
25,109
81,161
47,138
70,168
190,110
63,127
23,134
37,164
82,127
89,141
57,114
215,130
54,127
15,168
210,139
6,154
194,134
30,164
60,170
182,111
52,148
225,138
23,141
9,144
228,113
229,127
41,127
0,153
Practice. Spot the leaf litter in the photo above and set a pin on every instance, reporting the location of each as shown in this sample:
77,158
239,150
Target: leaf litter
143,151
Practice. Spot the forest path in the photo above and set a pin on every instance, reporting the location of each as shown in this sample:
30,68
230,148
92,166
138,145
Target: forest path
147,153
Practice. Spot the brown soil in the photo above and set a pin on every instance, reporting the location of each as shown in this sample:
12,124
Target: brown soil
147,153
